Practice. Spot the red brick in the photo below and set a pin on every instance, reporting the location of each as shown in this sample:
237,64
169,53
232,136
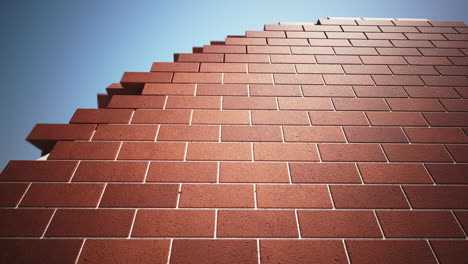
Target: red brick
245,41
398,51
25,170
447,23
125,132
151,151
251,133
463,91
223,49
318,68
222,89
287,42
322,28
374,134
312,50
24,222
136,101
327,91
44,136
348,79
182,172
293,196
351,152
140,195
380,91
360,104
223,67
43,251
182,77
413,70
355,51
449,173
257,223
411,23
217,196
265,34
368,196
400,104
346,35
440,52
110,171
420,152
292,58
385,36
437,196
394,173
199,57
138,79
462,217
329,42
298,79
425,36
280,118
313,134
436,135
445,80
447,119
383,60
193,102
453,70
106,251
85,150
219,151
271,68
451,44
313,35
275,90
174,223
285,152
101,116
161,117
292,103
324,173
259,58
188,133
389,251
335,21
63,195
220,117
397,80
11,193
412,43
302,251
450,251
432,92
364,27
168,89
193,251
248,103
338,118
366,69
427,60
175,67
253,172
268,49
91,223
248,78
412,224
395,119
399,29
338,223
458,152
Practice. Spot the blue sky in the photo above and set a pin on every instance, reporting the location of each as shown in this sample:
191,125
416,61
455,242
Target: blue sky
56,55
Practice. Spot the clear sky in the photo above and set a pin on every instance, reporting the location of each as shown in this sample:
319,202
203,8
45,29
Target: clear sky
56,55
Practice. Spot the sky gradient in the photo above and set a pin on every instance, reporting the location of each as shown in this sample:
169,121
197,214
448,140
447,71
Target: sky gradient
58,55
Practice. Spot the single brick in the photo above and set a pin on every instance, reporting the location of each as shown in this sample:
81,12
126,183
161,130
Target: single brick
265,34
313,134
182,77
445,80
368,196
413,43
312,50
298,79
399,29
385,36
44,136
419,152
449,173
447,119
355,51
394,173
366,69
26,170
338,223
285,152
217,196
453,70
24,222
396,80
432,92
380,91
175,67
400,104
437,196
396,119
151,151
329,42
11,193
455,105
271,68
101,116
110,171
450,251
361,28
324,173
383,60
319,68
245,41
419,224
327,91
223,67
296,103
398,51
441,52
427,60
346,35
413,70
220,117
182,172
411,23
462,217
292,58
374,134
293,196
348,79
351,152
223,49
253,172
367,104
322,28
338,118
257,223
275,90
312,35
140,195
251,133
256,58
63,195
168,89
138,79
161,117
334,21
126,132
437,29
280,118
458,152
248,78
137,101
84,150
463,44
199,57
188,133
248,103
193,251
287,42
193,102
436,135
219,151
174,223
222,89
268,49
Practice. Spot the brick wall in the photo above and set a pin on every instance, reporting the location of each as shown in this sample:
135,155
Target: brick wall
344,142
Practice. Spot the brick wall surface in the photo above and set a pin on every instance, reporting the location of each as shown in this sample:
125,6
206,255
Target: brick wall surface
340,142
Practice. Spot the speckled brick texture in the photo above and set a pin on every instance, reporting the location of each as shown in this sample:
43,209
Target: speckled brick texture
344,141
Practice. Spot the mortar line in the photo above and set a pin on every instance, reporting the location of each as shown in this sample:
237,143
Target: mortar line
346,251
459,224
380,226
74,171
146,173
24,194
178,196
433,252
133,224
331,197
79,252
169,255
297,223
102,195
48,224
406,197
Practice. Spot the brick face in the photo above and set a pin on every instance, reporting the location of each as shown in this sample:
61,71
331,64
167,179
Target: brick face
344,141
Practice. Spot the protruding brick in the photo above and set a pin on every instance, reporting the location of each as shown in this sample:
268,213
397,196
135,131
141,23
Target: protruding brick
285,152
93,116
175,66
126,132
110,171
217,195
63,195
138,79
140,195
394,173
44,136
368,196
324,173
293,196
253,172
